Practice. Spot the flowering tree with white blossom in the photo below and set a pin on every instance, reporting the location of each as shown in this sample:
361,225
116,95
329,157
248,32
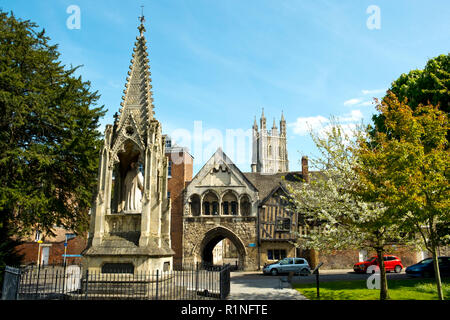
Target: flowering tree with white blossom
330,205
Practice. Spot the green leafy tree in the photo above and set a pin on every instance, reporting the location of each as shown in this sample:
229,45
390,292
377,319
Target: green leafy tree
49,140
428,86
405,166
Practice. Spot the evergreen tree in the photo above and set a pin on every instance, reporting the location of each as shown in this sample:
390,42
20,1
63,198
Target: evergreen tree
49,140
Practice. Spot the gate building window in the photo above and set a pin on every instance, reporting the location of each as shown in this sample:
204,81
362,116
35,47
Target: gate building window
283,224
276,254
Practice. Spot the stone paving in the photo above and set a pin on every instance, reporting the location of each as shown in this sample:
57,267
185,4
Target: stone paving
254,286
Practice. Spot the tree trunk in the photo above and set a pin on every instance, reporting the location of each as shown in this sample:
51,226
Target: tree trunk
437,273
384,294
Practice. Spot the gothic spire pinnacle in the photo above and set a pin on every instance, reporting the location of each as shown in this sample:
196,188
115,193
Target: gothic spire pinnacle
263,120
141,27
274,126
137,97
282,116
255,125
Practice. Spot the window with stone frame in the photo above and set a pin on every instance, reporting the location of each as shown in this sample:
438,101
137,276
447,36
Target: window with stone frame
225,208
234,206
206,208
215,208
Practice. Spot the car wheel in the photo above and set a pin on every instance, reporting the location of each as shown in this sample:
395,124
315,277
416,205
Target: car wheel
397,269
274,272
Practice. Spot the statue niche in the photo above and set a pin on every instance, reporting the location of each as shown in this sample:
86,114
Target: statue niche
128,181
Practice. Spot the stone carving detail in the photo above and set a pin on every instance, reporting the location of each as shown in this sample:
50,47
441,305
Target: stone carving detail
133,187
128,131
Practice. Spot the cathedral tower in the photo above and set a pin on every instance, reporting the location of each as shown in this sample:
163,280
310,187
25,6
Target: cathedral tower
269,153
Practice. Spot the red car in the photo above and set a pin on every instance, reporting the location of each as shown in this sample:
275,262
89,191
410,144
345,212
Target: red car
391,263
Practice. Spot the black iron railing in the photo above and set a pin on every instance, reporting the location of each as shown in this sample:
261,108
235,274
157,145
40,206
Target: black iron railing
77,283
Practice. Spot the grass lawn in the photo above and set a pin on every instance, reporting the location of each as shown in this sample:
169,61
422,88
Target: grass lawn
404,289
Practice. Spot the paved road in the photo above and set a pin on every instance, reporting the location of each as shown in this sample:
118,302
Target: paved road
256,286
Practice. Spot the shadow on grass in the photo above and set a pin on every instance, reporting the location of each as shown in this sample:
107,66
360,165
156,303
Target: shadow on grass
399,289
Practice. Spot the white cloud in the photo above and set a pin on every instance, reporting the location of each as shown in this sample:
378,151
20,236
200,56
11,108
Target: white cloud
347,129
362,101
303,125
373,91
358,102
366,103
352,102
353,116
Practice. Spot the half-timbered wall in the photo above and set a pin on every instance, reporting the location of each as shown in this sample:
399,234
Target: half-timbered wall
277,222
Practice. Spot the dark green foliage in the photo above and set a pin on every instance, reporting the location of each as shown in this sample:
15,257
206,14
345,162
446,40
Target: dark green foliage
49,140
428,86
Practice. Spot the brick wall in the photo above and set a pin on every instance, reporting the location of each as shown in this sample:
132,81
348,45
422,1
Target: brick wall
29,250
181,173
345,259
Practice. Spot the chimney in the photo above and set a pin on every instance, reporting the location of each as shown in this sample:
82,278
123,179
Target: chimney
305,172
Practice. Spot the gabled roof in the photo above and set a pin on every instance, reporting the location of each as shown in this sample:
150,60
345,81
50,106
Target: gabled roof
266,183
220,161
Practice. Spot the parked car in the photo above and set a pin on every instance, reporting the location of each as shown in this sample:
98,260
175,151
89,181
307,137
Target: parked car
391,263
296,265
425,268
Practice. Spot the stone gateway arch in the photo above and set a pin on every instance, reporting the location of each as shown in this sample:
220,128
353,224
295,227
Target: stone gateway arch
212,237
220,203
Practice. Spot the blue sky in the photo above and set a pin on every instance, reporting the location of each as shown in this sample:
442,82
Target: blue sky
221,62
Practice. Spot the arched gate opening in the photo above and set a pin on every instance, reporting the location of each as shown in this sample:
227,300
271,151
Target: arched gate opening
216,235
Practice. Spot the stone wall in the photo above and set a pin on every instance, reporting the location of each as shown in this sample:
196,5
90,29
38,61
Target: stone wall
240,230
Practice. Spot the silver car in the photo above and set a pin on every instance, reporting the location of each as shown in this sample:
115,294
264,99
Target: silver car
296,265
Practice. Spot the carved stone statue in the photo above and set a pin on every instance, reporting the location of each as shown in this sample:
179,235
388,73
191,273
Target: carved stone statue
133,188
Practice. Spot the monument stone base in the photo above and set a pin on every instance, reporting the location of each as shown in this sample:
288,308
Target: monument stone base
119,250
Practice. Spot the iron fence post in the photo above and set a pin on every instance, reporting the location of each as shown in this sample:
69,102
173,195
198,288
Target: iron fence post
86,285
37,282
157,280
196,279
317,283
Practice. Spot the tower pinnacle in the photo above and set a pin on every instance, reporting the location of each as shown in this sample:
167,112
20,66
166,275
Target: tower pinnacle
141,27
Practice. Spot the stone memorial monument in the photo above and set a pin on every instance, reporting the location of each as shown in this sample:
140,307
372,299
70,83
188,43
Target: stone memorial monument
130,220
